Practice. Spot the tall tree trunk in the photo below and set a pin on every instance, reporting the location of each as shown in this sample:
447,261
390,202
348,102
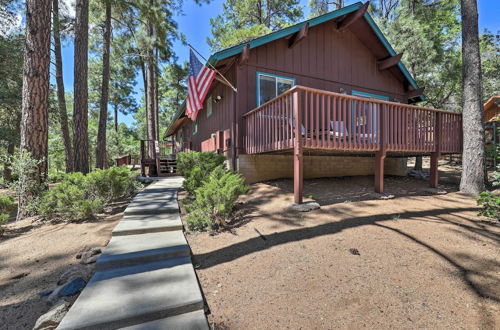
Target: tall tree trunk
473,163
35,102
101,159
115,107
7,170
157,96
80,107
61,101
150,70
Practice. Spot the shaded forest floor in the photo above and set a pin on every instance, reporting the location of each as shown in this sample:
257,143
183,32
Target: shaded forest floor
416,261
34,254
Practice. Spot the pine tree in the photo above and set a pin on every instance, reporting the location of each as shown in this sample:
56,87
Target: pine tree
101,159
243,20
35,102
80,107
61,101
473,158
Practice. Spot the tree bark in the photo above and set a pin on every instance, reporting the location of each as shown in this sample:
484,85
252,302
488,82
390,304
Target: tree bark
80,107
473,162
61,100
151,125
101,159
115,107
157,96
35,102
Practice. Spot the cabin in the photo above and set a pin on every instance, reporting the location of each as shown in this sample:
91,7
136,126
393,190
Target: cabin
325,97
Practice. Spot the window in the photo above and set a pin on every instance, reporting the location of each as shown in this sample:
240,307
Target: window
269,86
209,106
365,119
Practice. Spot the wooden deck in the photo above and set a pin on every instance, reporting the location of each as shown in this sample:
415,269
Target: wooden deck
158,157
316,120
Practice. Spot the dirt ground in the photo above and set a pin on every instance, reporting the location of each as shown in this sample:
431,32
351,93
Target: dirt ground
32,257
416,261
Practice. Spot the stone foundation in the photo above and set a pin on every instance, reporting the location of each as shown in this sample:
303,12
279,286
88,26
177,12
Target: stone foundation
257,168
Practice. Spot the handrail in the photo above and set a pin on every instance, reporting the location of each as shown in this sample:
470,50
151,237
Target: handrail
343,122
346,96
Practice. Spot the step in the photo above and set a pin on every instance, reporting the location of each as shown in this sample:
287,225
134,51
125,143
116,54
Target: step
150,223
134,295
130,250
188,321
155,200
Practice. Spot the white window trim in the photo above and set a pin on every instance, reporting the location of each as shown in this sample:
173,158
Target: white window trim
276,77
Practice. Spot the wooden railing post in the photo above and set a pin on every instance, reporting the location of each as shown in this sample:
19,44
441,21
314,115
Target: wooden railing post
298,170
434,177
381,153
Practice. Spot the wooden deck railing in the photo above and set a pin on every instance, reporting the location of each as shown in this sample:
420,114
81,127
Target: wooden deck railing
152,149
342,122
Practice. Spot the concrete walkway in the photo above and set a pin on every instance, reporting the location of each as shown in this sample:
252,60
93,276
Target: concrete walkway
144,278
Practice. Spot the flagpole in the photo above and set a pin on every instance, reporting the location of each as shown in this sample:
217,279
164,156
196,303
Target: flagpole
227,81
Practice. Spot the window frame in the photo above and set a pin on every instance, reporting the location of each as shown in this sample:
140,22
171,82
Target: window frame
369,95
356,122
259,74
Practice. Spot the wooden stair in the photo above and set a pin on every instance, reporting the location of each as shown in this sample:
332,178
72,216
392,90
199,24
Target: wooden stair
168,167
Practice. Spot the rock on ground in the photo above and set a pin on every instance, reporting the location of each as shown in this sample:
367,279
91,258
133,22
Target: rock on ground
305,207
73,287
435,191
73,272
382,196
53,317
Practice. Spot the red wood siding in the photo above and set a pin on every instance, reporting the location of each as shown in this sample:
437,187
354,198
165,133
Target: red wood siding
326,59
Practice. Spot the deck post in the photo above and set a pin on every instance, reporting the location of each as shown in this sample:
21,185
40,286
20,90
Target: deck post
434,177
379,171
298,169
380,155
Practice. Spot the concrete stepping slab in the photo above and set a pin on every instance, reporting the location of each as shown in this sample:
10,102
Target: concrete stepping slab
129,250
189,321
134,295
157,198
157,201
134,224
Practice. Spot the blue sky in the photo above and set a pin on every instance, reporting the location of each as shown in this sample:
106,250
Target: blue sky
195,24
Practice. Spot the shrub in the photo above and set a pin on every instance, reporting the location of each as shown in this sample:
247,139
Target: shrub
25,182
490,205
196,167
6,206
70,199
111,184
215,199
79,197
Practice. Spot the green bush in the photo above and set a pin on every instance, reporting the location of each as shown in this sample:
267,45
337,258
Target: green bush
490,205
112,184
6,206
70,200
79,197
215,199
196,167
55,176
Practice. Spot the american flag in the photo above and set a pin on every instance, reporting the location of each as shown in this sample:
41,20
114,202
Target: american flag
200,79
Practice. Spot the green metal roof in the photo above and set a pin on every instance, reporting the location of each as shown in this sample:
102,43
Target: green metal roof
235,50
